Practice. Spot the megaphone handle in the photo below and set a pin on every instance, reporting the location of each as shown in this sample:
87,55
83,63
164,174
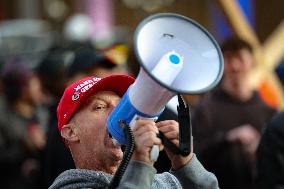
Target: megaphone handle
154,154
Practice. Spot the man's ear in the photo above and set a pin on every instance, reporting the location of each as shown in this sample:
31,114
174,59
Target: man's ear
68,133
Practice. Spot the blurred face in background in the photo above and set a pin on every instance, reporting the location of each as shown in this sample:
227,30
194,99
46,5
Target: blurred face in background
33,91
237,66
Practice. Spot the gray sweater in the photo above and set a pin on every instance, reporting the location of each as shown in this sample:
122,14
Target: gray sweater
140,175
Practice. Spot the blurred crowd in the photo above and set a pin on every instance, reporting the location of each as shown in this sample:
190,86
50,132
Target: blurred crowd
29,98
229,122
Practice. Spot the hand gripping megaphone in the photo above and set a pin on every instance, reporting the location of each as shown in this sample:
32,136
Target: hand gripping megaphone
176,55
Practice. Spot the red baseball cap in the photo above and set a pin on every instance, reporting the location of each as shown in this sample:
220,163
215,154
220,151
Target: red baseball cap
78,92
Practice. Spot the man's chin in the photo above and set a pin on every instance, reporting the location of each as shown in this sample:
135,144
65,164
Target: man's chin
117,155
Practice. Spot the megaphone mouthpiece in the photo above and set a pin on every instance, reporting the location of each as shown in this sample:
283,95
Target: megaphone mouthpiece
168,67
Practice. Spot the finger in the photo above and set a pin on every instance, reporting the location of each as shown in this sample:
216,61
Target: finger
141,122
166,122
175,141
148,140
145,129
161,147
172,135
168,128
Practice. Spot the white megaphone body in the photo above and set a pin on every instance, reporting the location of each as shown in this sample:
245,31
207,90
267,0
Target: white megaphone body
177,55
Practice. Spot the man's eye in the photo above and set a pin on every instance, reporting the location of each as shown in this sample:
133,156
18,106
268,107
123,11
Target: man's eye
99,107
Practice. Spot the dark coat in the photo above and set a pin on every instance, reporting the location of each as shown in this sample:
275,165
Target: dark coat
270,155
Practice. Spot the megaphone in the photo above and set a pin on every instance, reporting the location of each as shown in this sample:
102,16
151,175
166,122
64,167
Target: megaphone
176,55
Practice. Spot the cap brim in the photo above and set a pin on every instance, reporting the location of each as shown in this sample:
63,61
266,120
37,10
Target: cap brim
116,83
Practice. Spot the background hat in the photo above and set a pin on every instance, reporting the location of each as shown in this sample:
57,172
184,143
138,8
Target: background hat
78,92
52,69
87,58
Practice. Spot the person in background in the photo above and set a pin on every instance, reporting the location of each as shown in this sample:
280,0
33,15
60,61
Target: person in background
23,125
228,121
270,155
82,114
52,73
90,61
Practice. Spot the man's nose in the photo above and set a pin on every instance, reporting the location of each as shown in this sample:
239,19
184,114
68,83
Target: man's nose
236,65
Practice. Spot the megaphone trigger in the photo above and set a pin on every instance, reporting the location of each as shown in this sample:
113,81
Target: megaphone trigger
154,153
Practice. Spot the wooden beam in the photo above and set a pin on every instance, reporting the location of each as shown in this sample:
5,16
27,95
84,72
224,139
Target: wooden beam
268,56
273,47
238,21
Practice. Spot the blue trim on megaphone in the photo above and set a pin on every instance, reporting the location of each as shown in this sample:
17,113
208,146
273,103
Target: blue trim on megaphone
124,111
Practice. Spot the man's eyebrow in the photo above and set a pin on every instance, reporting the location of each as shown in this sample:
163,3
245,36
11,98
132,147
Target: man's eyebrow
105,98
100,98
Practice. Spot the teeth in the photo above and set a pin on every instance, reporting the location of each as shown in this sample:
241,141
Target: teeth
115,142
